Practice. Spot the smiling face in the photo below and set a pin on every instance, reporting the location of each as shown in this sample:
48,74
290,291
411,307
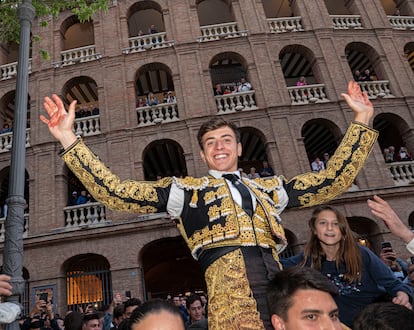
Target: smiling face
327,229
311,309
220,149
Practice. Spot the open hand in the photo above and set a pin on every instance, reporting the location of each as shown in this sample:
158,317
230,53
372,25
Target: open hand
60,121
358,101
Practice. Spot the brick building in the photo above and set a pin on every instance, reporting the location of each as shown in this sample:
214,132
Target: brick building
81,254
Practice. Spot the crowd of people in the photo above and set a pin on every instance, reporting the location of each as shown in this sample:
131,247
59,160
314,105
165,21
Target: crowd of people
87,111
317,164
151,99
363,76
83,197
391,156
236,87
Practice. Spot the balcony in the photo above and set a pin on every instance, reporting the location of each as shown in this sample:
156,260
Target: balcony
9,70
148,42
239,101
87,126
401,22
3,227
220,31
78,216
377,88
402,172
307,94
6,140
344,22
157,114
285,24
78,55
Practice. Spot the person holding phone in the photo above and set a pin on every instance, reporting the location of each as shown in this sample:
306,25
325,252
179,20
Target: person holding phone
390,258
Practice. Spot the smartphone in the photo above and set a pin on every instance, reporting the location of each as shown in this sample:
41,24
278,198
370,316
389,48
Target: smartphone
412,260
128,294
385,245
43,296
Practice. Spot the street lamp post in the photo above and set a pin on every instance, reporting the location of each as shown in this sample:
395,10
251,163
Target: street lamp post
14,226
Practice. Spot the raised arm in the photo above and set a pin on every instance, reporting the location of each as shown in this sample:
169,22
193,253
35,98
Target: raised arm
359,103
60,121
381,209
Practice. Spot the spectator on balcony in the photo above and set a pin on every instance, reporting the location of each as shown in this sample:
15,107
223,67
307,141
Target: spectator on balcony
218,90
227,90
169,97
326,158
357,75
253,174
152,29
151,100
93,110
387,157
403,155
397,12
73,198
244,85
392,153
80,113
242,173
266,169
317,165
82,198
366,76
140,33
6,129
141,103
301,81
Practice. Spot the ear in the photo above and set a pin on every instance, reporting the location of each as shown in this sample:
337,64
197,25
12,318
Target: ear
239,149
277,322
202,155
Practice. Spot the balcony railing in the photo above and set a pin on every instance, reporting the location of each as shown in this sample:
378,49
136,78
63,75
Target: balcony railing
157,114
220,31
285,24
240,101
84,215
9,70
377,88
147,42
3,227
6,140
346,21
401,22
307,94
86,126
78,55
402,172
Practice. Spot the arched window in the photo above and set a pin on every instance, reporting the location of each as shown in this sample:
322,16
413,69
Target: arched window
214,12
277,8
296,61
253,149
76,34
144,17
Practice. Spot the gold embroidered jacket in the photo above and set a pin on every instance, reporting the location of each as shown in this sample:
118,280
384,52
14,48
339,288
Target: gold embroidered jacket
210,217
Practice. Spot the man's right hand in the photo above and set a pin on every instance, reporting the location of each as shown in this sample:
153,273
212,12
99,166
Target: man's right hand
60,121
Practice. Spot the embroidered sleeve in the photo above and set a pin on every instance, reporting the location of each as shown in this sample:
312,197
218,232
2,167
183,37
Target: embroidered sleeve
107,188
315,188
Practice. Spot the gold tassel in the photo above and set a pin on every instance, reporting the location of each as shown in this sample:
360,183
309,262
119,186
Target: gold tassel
194,199
275,197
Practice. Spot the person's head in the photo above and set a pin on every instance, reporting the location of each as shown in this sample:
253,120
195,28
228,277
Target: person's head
252,170
73,321
265,164
302,298
357,72
220,145
329,229
326,156
203,298
91,322
195,308
156,314
383,316
302,79
118,314
130,305
243,80
176,301
391,148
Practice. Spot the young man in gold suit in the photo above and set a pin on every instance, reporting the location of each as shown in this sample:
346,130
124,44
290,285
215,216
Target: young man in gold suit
231,226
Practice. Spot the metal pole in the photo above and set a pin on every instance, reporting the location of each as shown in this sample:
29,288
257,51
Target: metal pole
13,244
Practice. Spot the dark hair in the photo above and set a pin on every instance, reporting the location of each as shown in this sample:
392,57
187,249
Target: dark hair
154,306
90,316
73,321
191,299
118,311
213,124
348,252
384,316
284,285
132,302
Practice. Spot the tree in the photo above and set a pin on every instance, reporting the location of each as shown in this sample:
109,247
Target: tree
9,22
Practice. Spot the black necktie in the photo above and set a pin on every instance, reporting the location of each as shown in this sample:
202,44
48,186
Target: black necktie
247,203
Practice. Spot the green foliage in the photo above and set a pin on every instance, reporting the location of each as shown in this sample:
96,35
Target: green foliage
10,24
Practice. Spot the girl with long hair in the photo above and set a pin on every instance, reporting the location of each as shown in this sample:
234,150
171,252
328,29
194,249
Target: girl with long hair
360,276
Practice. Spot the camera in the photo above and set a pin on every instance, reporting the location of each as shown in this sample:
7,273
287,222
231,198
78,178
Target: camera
387,247
43,296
